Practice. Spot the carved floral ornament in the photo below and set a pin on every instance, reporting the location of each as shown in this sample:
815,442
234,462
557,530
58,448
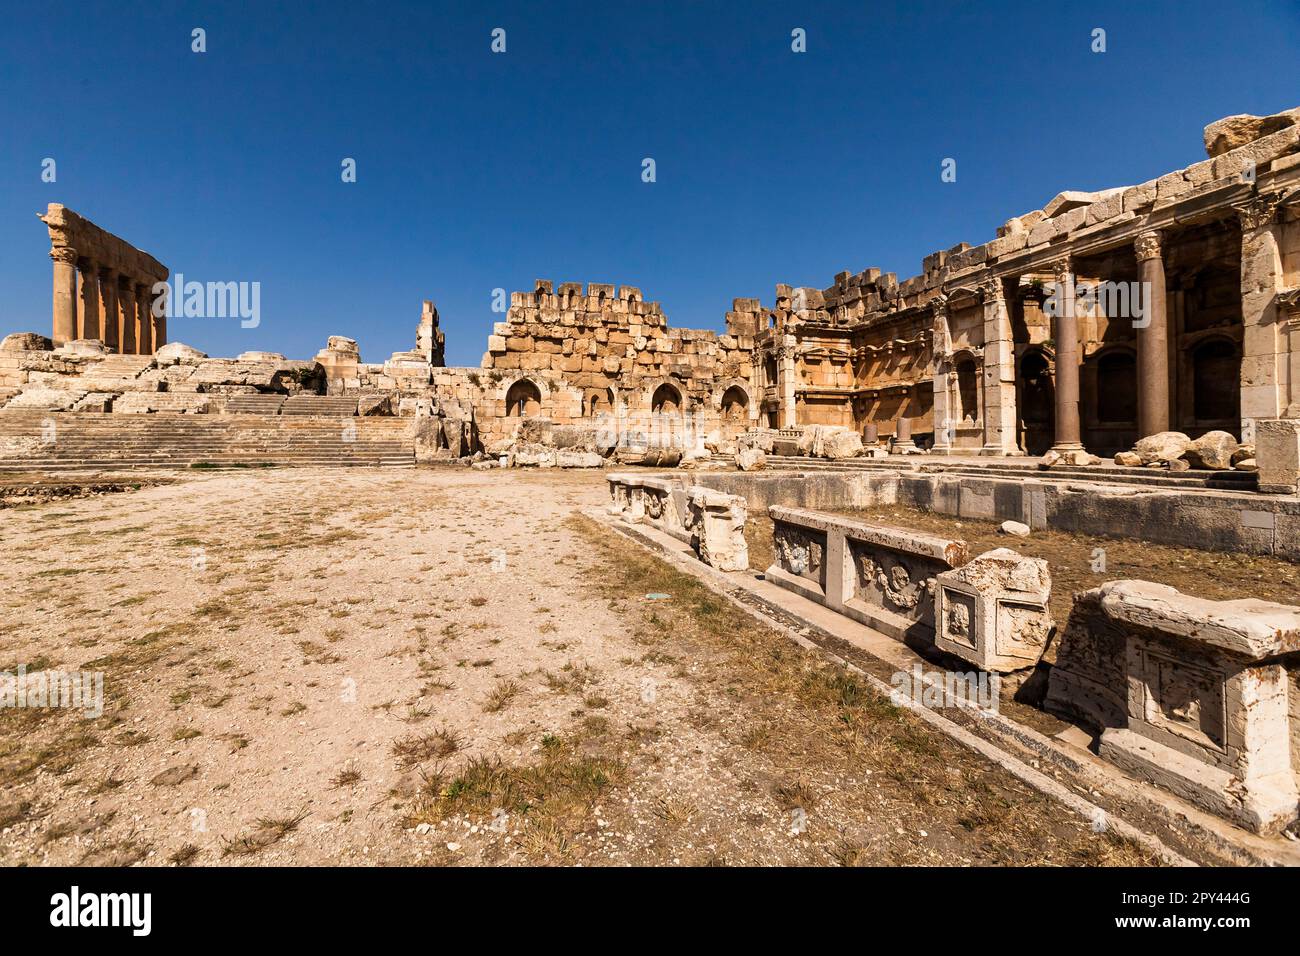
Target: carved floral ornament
1258,211
991,289
1147,246
1062,268
64,254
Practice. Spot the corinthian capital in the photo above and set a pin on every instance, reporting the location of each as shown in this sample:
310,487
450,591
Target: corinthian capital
1258,211
1147,245
64,254
991,289
1063,268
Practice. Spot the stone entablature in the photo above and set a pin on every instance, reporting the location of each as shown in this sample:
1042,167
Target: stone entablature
103,286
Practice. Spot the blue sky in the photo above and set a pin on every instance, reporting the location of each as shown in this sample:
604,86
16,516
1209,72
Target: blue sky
478,170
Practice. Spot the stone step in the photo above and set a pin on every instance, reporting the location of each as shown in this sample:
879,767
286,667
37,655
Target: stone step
255,404
335,405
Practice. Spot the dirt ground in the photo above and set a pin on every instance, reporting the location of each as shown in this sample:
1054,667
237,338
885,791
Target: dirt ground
448,667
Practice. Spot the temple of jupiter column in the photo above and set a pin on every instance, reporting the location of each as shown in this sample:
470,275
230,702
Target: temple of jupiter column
1067,361
103,286
1152,338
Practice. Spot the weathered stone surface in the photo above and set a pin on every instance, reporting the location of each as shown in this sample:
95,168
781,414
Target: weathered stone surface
177,353
1277,455
1212,450
717,525
750,459
1129,459
1207,703
992,611
569,458
1017,528
1162,447
1236,131
840,445
25,342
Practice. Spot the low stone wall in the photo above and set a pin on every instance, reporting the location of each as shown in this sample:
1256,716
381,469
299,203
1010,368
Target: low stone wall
1207,520
883,577
1190,694
711,522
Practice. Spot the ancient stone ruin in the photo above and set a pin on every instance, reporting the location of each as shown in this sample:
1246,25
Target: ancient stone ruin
1121,363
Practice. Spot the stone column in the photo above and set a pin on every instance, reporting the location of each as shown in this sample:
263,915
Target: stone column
1067,361
143,321
126,315
159,322
65,294
1269,388
88,299
999,373
108,299
903,427
1152,338
940,362
786,379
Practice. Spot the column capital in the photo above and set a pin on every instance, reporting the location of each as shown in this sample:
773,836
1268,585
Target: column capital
64,254
1258,211
939,305
1147,245
1062,268
992,290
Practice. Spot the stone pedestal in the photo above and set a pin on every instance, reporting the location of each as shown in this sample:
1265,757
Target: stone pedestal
993,612
1277,455
717,525
903,443
1207,700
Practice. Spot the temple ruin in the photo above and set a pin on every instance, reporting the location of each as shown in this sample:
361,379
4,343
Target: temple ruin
103,287
1123,363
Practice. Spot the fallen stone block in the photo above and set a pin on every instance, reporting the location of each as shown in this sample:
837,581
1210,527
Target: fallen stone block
1213,450
750,459
992,611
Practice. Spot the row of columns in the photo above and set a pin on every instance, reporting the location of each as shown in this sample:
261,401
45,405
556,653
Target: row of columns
92,301
1152,347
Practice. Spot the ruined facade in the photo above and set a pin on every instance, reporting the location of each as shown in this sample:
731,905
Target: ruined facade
103,286
1097,320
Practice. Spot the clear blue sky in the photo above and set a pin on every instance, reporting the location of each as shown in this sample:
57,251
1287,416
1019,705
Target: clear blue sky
478,170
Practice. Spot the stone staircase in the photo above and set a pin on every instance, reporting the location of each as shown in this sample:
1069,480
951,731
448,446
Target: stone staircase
254,404
1010,468
32,440
335,406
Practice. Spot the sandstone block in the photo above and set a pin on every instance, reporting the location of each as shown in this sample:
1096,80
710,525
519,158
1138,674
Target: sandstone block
1162,447
1212,450
992,611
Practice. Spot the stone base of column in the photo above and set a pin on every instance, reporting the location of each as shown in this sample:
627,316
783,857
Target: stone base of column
1063,447
905,447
